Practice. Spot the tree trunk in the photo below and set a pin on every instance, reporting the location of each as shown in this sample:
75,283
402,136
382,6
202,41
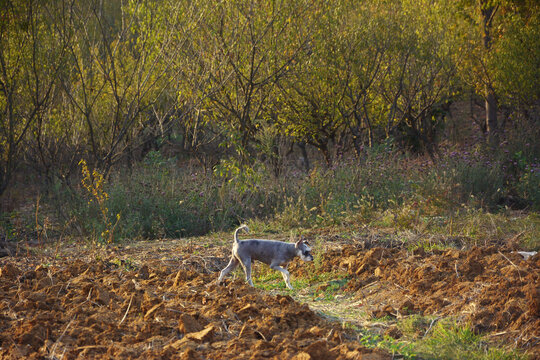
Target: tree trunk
488,11
491,115
357,141
323,147
303,150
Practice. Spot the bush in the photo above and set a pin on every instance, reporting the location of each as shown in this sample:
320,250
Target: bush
158,199
528,186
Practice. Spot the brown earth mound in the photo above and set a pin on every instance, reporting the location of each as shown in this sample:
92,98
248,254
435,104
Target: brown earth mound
497,292
78,309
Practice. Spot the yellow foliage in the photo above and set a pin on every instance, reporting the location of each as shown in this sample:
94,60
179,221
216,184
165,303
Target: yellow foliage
94,182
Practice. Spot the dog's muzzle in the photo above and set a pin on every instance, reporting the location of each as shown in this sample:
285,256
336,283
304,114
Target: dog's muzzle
306,256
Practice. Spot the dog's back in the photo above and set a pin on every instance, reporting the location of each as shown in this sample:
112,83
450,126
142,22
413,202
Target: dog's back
266,251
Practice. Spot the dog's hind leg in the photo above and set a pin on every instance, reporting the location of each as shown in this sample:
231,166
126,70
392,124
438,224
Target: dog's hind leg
284,273
246,264
230,267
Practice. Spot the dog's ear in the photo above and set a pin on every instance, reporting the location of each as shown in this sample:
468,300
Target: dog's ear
299,242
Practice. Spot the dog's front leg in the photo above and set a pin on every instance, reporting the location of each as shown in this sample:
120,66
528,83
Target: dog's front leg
285,274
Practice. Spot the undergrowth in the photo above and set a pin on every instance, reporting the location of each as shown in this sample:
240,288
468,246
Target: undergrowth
466,195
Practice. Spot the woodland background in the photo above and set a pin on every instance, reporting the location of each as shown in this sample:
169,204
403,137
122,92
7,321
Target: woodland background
148,119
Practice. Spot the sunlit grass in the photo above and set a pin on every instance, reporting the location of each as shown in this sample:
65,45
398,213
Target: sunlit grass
450,340
433,338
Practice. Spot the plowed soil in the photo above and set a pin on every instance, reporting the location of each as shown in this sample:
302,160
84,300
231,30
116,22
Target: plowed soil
164,303
497,292
165,308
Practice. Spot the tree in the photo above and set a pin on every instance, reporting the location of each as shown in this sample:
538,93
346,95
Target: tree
309,97
416,80
249,47
123,69
515,62
32,55
363,46
488,29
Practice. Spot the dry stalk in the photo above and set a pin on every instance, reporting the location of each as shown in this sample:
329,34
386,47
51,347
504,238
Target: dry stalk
127,310
430,326
91,347
60,338
510,261
261,335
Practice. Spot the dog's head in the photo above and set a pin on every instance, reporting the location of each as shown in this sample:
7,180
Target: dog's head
303,249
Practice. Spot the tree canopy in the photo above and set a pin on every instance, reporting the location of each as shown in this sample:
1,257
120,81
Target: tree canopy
110,81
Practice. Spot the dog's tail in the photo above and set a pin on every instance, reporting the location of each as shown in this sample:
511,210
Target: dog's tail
244,226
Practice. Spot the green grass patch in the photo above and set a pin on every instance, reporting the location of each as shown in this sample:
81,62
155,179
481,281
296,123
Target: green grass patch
331,289
426,338
415,326
329,283
270,280
479,227
449,340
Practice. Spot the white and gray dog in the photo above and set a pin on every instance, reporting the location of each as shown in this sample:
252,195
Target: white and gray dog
271,252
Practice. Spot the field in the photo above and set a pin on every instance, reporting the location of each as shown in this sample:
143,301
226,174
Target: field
399,137
359,299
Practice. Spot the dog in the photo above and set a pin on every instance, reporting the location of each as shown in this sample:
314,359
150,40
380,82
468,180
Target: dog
276,254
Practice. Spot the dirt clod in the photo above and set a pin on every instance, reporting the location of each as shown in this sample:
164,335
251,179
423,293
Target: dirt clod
203,335
9,271
188,324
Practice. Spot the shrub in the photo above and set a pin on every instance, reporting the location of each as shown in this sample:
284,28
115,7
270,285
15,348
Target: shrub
159,199
528,185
